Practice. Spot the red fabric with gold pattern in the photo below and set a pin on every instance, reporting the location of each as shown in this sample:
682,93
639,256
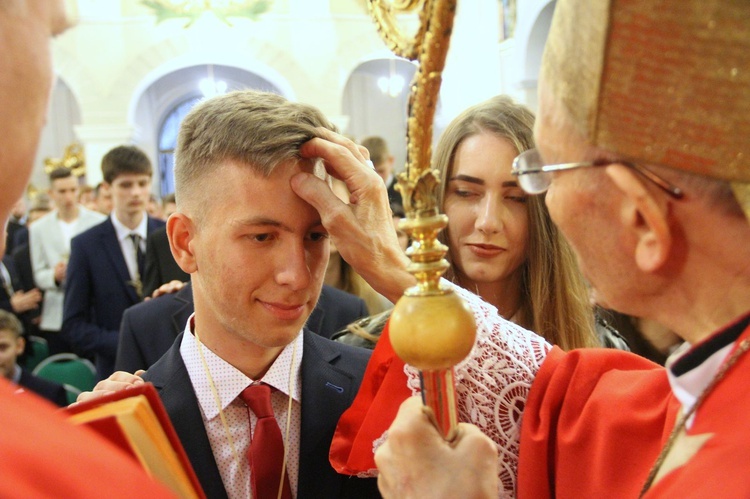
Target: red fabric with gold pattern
595,423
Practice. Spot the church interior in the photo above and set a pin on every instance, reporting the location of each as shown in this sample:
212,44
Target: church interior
130,70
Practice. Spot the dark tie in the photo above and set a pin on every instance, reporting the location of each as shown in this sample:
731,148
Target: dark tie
139,257
266,453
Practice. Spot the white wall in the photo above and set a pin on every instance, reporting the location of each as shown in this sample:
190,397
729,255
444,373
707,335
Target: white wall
308,49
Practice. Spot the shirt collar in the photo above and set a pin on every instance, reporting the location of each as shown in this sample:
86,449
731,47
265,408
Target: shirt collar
228,380
123,232
691,368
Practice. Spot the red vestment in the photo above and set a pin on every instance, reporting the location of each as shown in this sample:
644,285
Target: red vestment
595,422
42,455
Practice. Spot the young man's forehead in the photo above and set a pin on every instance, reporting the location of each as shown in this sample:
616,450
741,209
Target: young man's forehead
64,183
131,178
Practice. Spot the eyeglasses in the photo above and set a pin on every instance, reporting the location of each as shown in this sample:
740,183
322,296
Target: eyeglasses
535,178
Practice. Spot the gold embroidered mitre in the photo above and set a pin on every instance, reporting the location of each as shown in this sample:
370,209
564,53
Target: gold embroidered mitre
657,81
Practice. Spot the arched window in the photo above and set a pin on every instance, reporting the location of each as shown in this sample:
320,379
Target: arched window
168,142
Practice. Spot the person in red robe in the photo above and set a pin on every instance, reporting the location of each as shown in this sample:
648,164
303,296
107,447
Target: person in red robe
41,454
643,152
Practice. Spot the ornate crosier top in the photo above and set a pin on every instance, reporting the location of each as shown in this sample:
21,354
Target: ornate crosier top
419,183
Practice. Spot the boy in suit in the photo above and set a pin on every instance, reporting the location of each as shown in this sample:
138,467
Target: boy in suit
12,345
49,242
106,261
257,256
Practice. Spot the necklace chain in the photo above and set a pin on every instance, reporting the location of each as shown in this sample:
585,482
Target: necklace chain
741,349
224,423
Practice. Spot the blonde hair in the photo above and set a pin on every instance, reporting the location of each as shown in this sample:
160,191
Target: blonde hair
258,129
554,296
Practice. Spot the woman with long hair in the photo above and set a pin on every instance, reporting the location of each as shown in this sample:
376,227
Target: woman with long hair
506,252
502,243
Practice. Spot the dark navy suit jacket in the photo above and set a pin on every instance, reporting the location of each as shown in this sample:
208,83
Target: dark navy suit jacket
97,293
160,265
17,284
331,375
149,328
54,392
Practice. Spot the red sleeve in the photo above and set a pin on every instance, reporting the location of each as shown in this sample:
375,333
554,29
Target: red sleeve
593,425
42,455
382,391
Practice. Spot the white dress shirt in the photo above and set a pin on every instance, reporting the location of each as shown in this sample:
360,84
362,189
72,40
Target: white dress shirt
284,375
126,244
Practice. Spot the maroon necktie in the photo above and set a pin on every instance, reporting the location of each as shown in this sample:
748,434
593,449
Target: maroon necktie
266,453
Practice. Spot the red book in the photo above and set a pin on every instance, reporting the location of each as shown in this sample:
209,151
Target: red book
136,421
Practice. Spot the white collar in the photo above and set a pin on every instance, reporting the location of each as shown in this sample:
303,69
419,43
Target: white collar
123,232
229,381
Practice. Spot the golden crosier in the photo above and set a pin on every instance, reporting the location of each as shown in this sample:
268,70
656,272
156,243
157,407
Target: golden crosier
428,48
431,328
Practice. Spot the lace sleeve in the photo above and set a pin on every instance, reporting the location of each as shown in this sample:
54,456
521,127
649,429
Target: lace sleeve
493,382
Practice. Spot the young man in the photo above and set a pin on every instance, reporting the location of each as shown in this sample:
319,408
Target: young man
107,263
646,164
257,256
24,273
103,199
12,345
49,242
22,303
54,467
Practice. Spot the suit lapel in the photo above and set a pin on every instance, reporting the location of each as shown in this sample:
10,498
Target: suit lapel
171,378
152,224
315,321
180,317
326,393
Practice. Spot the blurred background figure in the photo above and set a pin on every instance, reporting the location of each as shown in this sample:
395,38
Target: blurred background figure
87,197
103,198
16,222
398,213
168,205
12,345
383,161
49,243
24,273
154,208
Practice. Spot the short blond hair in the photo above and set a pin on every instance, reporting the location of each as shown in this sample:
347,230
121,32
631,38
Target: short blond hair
258,129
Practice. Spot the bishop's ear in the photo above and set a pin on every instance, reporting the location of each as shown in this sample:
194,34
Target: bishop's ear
646,213
181,231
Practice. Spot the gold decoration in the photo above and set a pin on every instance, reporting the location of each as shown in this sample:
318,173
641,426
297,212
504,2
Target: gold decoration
431,328
73,159
32,191
193,9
